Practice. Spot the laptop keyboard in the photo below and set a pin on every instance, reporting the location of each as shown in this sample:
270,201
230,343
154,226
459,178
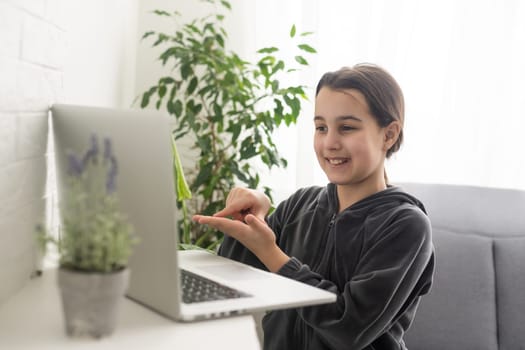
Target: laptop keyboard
197,288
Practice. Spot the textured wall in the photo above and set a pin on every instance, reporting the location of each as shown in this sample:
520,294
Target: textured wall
32,48
75,52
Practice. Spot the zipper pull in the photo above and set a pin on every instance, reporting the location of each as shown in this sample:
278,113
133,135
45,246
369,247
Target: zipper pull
332,221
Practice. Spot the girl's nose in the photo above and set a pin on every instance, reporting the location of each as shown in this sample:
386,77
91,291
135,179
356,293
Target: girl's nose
332,140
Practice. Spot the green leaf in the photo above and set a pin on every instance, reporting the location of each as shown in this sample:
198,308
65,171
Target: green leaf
267,60
147,34
167,54
193,28
236,131
296,90
301,60
169,106
208,27
166,80
162,91
220,40
196,127
181,186
229,78
306,48
162,13
268,50
226,4
248,149
192,85
209,43
306,33
206,89
247,83
211,186
218,111
264,69
295,106
204,175
146,96
190,105
292,31
186,70
197,109
278,111
160,39
235,170
177,108
275,86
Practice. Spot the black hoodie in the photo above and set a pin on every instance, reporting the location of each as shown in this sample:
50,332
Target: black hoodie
376,255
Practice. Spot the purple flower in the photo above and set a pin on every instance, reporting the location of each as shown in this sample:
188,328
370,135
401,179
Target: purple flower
75,166
107,149
92,152
113,169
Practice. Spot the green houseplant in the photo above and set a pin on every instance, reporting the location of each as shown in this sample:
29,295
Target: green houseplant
94,244
228,106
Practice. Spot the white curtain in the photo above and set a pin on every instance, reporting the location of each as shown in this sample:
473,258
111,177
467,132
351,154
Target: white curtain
461,65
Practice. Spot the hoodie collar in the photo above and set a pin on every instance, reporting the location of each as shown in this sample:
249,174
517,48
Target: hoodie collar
391,196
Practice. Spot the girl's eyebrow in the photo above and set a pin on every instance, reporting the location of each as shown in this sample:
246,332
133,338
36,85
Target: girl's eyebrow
341,118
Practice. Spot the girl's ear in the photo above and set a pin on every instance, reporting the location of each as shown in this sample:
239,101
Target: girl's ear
391,134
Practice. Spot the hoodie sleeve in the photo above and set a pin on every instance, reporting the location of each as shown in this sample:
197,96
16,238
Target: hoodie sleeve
395,268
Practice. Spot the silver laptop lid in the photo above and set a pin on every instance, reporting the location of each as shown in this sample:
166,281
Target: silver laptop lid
143,193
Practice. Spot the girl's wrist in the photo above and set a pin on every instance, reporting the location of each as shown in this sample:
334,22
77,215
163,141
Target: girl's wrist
273,258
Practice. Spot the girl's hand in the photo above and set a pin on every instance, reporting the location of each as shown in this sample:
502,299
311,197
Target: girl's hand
243,201
253,233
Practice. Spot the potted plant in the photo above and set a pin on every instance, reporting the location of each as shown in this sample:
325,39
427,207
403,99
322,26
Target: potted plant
228,106
94,244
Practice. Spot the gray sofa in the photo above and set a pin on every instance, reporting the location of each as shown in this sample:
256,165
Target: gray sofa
478,298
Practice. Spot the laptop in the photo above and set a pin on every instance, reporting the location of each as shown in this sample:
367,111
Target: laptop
142,145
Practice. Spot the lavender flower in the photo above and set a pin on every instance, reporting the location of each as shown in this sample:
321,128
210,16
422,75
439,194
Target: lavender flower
109,161
92,153
95,234
113,169
107,149
75,166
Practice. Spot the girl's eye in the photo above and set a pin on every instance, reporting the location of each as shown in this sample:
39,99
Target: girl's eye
347,128
321,128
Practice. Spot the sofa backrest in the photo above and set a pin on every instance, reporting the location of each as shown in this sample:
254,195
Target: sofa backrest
478,297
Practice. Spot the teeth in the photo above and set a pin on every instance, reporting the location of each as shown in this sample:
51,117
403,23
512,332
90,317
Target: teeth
336,161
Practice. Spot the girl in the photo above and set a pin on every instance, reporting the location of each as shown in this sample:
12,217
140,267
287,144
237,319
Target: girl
365,240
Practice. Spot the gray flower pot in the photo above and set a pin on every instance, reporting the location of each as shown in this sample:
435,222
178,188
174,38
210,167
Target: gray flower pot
90,301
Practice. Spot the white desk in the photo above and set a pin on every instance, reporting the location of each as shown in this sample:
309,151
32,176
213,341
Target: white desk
32,319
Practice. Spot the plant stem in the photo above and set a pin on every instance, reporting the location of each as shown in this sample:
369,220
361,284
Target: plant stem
186,234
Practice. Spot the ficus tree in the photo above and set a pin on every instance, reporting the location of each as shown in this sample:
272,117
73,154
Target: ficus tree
229,106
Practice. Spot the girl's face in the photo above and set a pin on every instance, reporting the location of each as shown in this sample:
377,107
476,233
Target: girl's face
349,144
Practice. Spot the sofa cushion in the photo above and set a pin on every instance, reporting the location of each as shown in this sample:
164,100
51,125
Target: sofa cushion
509,257
479,237
460,309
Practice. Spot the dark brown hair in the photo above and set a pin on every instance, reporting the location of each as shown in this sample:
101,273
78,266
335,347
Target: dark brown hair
381,91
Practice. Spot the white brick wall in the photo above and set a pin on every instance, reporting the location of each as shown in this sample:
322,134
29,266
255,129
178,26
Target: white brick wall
32,47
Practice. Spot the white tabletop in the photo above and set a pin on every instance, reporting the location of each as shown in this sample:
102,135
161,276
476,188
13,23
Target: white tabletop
32,319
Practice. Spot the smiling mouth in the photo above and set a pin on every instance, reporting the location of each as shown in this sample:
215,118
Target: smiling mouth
337,161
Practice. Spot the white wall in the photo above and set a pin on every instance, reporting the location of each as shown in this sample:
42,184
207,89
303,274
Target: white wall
51,51
101,52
